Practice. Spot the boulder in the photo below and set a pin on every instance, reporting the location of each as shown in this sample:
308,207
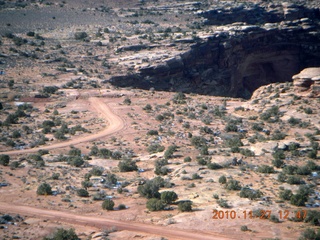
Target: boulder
308,80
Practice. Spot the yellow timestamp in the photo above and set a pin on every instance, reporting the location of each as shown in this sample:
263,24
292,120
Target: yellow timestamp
258,214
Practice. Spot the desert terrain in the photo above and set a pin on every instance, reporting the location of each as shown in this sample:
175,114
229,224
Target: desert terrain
83,153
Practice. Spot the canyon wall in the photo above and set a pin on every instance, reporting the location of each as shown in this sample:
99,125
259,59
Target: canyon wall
250,47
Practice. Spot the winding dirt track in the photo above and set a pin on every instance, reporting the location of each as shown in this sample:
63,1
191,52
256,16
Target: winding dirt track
115,124
102,223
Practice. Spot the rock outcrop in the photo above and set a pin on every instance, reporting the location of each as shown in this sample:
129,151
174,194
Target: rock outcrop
270,44
307,82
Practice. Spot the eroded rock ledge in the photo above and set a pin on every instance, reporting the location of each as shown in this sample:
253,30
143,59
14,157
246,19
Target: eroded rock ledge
241,56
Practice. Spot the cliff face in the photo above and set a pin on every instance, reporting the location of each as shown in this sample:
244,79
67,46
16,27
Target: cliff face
239,57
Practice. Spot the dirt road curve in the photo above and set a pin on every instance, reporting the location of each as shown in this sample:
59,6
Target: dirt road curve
115,125
103,223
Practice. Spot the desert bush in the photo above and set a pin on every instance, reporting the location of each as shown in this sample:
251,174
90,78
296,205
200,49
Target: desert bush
282,177
62,234
149,190
313,217
247,152
55,176
122,207
155,204
116,155
50,89
187,159
274,218
250,193
107,204
223,179
285,194
185,206
4,159
74,152
75,161
96,171
82,192
44,189
233,185
231,127
168,197
160,168
127,101
196,176
105,153
155,147
278,135
152,132
147,108
265,169
169,152
310,234
214,166
86,184
298,200
179,98
223,203
257,127
244,228
278,163
127,166
294,180
290,169
198,141
233,142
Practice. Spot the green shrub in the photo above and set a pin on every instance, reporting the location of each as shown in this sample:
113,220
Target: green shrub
298,200
168,197
265,169
44,189
285,194
155,147
155,204
274,218
75,161
187,159
214,166
223,203
250,193
96,171
62,234
290,169
127,166
222,179
107,204
152,132
278,135
185,206
122,207
149,190
233,185
4,159
294,180
82,192
310,234
244,228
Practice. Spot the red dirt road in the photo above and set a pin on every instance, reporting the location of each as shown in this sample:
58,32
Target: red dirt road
100,222
115,124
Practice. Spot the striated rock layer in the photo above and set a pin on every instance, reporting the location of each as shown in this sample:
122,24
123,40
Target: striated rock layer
239,57
307,82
